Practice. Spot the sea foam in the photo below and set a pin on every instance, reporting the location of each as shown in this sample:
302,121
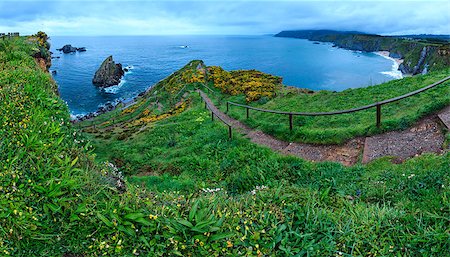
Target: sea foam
114,89
394,72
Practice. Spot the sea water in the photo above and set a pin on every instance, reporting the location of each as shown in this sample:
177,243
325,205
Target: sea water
300,63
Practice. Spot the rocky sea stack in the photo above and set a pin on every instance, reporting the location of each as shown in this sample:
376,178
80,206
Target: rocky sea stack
109,73
71,49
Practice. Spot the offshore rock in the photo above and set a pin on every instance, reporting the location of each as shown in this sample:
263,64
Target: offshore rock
67,49
71,49
109,73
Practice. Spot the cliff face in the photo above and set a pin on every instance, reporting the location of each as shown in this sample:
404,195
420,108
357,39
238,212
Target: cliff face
109,73
418,57
42,54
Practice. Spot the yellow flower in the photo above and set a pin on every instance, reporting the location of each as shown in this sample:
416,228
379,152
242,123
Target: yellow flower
229,244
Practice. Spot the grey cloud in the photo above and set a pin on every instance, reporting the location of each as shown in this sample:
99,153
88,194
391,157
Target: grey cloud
235,17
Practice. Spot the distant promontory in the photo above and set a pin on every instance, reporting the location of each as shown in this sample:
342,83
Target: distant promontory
109,73
421,53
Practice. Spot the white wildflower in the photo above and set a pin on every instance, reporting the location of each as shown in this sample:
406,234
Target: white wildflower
211,190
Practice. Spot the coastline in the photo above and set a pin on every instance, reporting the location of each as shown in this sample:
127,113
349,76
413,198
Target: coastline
396,73
385,54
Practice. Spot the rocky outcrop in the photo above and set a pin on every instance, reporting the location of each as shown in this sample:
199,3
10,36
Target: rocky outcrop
423,54
71,49
405,68
109,73
396,55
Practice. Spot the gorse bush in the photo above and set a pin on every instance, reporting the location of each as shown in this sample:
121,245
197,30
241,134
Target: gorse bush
253,84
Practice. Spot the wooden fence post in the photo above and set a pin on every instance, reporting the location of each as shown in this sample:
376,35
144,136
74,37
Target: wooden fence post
212,116
229,132
227,107
247,112
378,115
290,122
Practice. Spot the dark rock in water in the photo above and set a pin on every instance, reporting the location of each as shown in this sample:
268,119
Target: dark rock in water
54,72
67,49
316,43
126,70
109,73
71,49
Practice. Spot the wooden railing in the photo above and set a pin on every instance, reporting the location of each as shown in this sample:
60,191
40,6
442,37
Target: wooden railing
377,105
207,106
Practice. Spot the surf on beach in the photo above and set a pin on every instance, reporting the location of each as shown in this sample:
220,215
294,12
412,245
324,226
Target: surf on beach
395,72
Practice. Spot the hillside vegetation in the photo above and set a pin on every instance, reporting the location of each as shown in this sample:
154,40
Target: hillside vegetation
58,198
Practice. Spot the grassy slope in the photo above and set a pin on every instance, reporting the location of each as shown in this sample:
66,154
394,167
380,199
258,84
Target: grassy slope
312,201
399,204
339,128
56,199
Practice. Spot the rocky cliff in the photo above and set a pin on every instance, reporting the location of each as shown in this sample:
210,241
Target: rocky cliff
109,73
419,57
42,53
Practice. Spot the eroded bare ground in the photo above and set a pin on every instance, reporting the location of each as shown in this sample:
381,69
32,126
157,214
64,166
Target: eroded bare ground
347,154
425,136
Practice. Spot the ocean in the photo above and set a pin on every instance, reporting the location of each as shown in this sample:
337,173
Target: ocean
300,63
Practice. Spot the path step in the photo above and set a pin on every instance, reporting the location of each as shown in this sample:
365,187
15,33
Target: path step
444,116
423,137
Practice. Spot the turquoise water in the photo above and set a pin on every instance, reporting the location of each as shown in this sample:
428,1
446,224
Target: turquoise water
152,58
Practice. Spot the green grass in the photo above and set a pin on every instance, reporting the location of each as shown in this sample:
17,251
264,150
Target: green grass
57,198
316,204
340,128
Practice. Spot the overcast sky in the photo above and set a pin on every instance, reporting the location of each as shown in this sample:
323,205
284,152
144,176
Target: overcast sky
119,17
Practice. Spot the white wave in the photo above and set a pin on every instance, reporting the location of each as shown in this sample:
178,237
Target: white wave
114,89
394,72
129,68
75,116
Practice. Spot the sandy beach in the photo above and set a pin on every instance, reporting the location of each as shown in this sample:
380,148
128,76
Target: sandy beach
386,54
